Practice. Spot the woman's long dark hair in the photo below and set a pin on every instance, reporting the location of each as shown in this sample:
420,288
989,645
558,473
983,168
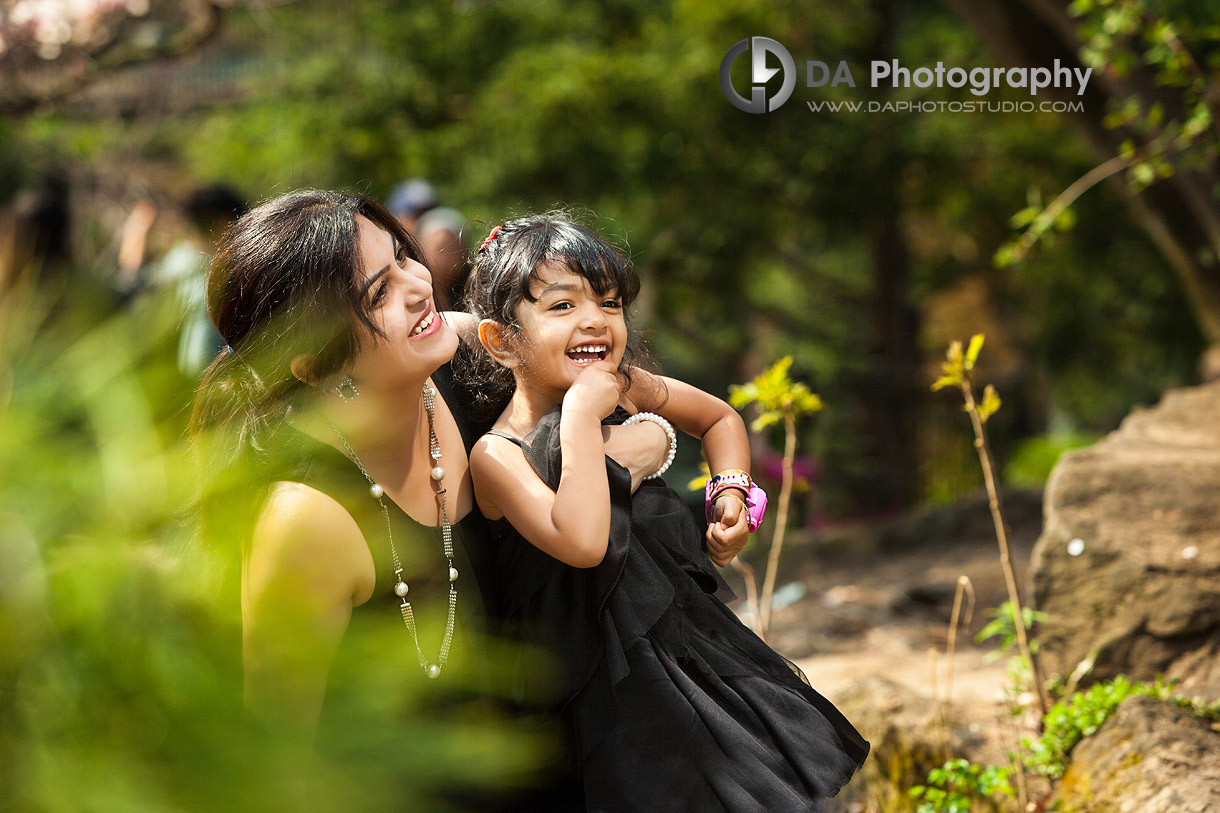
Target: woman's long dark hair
284,284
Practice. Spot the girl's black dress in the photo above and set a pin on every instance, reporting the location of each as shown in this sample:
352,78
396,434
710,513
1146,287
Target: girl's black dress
672,703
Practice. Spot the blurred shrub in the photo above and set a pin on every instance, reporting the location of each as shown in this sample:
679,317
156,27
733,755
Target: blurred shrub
1033,459
120,673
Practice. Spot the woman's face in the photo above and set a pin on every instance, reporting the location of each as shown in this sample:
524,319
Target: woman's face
398,292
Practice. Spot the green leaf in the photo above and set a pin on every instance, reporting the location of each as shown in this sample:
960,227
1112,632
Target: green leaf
1024,217
991,403
764,420
972,352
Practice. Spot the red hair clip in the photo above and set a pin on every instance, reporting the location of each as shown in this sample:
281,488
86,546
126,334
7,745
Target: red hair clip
491,236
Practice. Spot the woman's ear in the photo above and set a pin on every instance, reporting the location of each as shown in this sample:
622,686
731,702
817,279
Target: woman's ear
494,338
302,369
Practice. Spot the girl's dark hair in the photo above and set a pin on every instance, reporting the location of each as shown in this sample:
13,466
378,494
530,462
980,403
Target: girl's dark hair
506,267
284,284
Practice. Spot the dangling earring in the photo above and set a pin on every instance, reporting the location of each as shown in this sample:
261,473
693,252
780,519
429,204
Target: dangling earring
346,389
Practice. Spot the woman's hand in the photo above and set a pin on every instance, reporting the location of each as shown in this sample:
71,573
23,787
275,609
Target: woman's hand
728,531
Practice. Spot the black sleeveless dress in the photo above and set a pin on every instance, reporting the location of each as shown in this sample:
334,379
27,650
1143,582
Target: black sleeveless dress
672,702
377,690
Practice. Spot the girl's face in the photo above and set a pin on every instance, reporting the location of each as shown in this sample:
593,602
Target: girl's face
569,327
398,291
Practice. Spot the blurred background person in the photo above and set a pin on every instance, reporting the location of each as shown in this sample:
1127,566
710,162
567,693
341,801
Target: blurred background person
439,232
181,275
410,200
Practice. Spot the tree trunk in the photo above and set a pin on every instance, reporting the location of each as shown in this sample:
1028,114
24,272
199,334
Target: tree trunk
890,393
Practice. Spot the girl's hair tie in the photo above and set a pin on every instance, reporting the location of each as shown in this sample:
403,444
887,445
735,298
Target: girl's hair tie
490,237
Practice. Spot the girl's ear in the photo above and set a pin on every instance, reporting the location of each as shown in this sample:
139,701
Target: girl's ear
494,338
302,369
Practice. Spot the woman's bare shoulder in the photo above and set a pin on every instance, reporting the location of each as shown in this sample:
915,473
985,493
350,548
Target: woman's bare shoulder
304,535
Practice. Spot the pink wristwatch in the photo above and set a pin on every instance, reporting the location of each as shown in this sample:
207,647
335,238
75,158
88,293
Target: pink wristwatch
756,498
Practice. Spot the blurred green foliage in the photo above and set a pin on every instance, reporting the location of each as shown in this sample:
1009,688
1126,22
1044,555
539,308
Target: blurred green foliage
1033,459
120,640
755,235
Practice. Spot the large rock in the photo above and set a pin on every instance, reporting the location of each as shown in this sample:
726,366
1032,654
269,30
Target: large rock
1150,757
1127,564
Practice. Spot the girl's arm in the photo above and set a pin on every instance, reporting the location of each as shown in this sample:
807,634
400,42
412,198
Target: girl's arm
697,413
573,523
725,445
307,567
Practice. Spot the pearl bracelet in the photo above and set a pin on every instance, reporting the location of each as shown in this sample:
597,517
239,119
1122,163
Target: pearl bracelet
669,430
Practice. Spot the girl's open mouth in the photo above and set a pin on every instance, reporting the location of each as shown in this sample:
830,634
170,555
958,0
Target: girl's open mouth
589,353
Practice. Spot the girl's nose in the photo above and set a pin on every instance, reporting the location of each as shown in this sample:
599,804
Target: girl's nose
592,318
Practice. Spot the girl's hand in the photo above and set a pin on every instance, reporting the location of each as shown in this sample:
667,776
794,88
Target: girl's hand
728,531
597,390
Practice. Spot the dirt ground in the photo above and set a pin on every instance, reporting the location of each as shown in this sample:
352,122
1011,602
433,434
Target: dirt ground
875,598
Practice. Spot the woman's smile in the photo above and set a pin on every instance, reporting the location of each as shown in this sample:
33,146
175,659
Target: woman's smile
427,325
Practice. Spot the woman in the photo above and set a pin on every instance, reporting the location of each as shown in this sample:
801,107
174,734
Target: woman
336,448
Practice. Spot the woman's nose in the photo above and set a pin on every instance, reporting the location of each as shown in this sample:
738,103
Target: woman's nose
419,282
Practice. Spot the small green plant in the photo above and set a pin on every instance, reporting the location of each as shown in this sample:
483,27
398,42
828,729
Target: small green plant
778,399
1079,716
958,371
956,785
1002,627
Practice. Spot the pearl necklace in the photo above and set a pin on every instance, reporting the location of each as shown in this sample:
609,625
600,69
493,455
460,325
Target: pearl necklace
432,670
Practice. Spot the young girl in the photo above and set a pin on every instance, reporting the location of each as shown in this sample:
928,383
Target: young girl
672,703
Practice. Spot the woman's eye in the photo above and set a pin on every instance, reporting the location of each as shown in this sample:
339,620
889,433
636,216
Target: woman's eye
382,290
400,252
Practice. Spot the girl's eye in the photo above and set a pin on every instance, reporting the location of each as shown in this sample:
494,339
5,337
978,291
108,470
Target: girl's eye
561,306
612,303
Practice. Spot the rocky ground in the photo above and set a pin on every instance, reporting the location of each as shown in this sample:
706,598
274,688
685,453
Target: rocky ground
867,604
1125,571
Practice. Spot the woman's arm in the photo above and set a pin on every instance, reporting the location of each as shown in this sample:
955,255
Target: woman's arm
640,448
464,325
307,567
697,413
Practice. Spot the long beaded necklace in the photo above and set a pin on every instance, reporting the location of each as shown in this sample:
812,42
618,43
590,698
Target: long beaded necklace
432,670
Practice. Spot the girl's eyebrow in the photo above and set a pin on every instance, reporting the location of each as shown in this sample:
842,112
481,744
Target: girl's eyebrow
559,286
